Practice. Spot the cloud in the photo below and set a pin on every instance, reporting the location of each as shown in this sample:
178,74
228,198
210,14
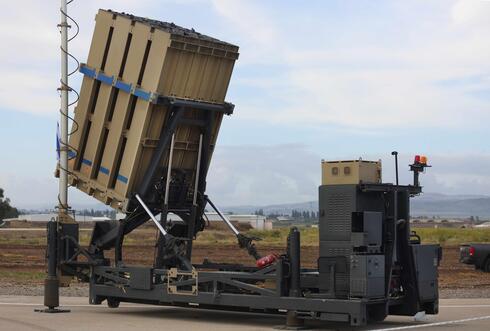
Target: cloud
422,69
27,191
252,25
263,174
317,79
249,19
368,78
275,174
381,98
456,173
461,173
474,12
30,56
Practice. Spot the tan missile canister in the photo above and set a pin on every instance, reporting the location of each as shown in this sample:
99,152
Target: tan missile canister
135,69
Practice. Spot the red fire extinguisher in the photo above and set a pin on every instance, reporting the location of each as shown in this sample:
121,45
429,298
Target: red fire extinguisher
267,260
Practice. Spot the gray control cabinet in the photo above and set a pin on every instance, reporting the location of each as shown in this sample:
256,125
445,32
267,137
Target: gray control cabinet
367,228
426,259
349,218
367,276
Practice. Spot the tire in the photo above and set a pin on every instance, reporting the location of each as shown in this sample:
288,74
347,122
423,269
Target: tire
431,307
486,265
376,313
112,303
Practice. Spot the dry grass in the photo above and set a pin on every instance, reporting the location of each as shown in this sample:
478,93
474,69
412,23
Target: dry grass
23,277
309,236
453,236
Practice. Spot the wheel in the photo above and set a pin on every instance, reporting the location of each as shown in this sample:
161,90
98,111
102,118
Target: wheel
376,313
431,307
486,265
112,303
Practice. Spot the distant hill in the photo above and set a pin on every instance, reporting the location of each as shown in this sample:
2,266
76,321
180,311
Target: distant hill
429,204
451,205
281,209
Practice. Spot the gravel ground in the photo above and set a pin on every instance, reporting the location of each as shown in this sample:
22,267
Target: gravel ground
22,265
81,290
77,290
464,293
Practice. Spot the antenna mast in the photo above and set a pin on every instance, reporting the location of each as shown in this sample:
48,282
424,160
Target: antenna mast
64,89
52,281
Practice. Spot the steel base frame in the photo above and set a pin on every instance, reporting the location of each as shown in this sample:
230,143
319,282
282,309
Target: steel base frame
223,290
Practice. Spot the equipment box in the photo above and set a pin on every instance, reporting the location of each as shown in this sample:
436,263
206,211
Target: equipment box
136,69
427,261
367,276
351,172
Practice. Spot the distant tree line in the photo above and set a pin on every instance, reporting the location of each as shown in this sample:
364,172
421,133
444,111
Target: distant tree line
259,212
295,214
98,213
6,210
304,214
474,219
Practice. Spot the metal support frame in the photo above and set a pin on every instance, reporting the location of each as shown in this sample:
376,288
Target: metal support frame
243,240
224,218
191,213
191,224
166,237
152,217
164,213
165,137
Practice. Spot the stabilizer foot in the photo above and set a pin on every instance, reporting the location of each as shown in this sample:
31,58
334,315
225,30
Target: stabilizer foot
293,322
51,297
52,310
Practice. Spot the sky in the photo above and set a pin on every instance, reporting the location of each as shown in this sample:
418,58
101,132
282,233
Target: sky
315,80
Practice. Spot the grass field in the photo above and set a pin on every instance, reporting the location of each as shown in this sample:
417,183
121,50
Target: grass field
453,236
443,236
22,251
309,236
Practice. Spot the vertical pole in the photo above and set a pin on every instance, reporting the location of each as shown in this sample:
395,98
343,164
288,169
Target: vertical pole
191,225
395,153
294,252
416,182
63,162
52,281
295,260
163,215
395,211
169,169
198,171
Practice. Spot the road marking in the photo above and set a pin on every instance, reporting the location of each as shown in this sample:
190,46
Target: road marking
418,326
68,305
140,306
34,229
466,306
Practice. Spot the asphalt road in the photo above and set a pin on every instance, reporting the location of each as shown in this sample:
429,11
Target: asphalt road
16,313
